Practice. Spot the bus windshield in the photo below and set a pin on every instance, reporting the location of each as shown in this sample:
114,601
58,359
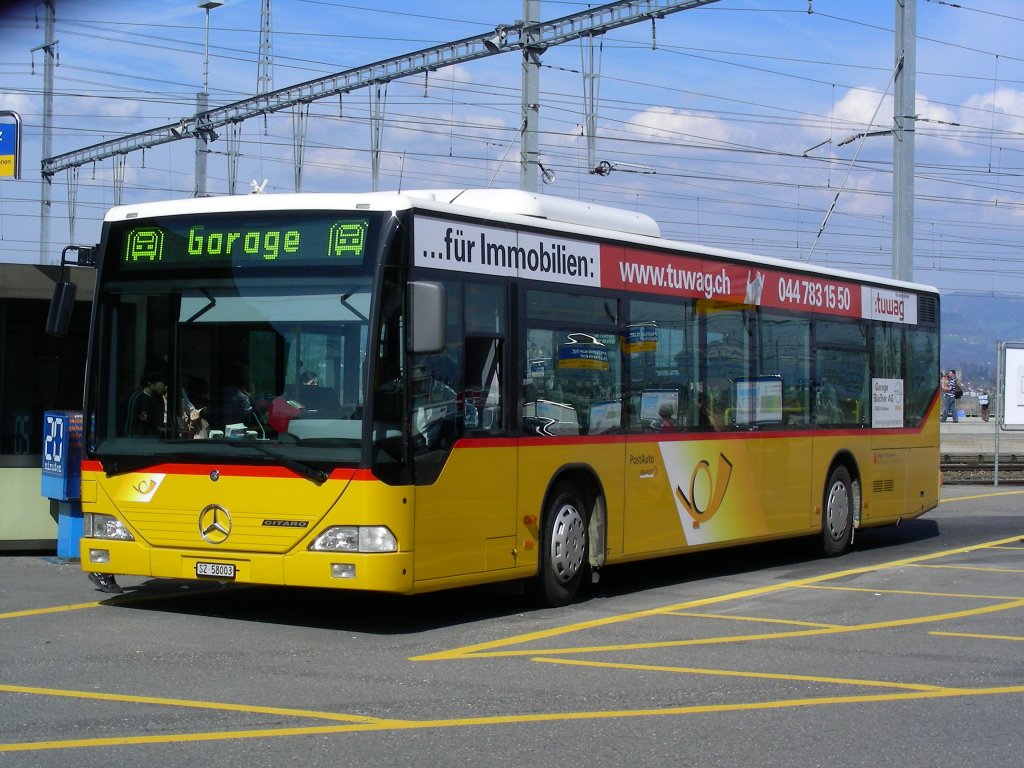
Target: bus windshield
233,367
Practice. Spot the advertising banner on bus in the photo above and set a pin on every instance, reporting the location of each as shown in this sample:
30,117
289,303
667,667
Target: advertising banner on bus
467,247
708,279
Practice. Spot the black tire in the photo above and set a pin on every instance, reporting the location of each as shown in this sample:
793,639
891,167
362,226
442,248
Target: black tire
837,511
563,554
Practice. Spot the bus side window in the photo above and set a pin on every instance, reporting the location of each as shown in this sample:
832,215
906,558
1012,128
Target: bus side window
727,343
571,375
841,372
663,362
486,326
784,350
922,360
481,399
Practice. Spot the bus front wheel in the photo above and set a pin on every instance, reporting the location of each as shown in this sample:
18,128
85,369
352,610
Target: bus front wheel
838,511
563,554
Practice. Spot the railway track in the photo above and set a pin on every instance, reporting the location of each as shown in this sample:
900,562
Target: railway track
973,468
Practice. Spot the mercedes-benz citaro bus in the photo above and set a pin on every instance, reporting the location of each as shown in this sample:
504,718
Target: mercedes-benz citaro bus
417,391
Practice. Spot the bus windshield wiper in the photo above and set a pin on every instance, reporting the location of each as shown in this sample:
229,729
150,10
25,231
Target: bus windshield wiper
114,465
122,465
314,475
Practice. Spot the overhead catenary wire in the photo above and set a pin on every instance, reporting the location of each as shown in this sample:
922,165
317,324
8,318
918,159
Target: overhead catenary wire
768,166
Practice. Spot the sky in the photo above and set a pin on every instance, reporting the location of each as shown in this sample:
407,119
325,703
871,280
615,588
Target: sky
726,123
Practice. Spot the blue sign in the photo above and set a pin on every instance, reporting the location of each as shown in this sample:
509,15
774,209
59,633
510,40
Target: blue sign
62,455
642,338
10,146
8,134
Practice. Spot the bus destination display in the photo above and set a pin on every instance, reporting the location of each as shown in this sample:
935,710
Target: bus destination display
230,242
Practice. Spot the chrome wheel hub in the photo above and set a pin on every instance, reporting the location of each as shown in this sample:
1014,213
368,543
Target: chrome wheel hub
837,511
568,542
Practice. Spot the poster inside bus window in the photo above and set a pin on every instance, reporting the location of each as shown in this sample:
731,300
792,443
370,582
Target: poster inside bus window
605,416
653,403
232,241
759,400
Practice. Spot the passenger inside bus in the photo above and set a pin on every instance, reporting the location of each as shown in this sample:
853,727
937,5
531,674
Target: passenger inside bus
827,410
147,407
667,421
235,405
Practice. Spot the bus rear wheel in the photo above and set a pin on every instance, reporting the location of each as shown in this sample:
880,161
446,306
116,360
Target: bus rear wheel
838,511
563,555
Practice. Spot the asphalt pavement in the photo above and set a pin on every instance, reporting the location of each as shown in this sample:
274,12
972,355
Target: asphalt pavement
906,651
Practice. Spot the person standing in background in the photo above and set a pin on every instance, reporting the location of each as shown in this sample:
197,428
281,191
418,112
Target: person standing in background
983,402
949,387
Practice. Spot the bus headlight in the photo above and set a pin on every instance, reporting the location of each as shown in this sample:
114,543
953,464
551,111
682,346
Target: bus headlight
355,538
95,526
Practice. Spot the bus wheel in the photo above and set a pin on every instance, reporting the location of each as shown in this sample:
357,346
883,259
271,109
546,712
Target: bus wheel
563,552
838,511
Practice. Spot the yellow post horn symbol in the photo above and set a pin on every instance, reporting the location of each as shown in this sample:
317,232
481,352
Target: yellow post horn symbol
720,485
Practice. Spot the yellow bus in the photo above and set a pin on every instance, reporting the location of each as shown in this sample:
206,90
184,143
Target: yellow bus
425,390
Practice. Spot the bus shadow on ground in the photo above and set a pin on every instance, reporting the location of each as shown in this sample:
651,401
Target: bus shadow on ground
719,563
385,614
872,539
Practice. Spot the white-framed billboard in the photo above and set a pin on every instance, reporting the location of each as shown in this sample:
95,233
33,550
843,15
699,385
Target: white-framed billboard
1011,385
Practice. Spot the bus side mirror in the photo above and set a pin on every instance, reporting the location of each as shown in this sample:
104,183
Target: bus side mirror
428,314
61,304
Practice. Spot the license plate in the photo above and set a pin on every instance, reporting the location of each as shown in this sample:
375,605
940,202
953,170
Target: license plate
217,570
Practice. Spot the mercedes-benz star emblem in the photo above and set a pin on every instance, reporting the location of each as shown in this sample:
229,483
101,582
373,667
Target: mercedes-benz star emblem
214,524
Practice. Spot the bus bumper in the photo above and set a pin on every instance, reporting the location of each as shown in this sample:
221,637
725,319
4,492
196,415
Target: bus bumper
378,572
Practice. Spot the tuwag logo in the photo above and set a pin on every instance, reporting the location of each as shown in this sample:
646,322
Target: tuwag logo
706,491
892,306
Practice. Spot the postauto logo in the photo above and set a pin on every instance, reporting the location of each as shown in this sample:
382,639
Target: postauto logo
700,504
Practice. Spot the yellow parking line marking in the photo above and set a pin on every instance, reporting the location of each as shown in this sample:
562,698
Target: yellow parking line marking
491,648
357,723
726,639
216,705
755,619
970,568
754,675
981,496
915,593
52,609
521,719
184,738
976,636
128,598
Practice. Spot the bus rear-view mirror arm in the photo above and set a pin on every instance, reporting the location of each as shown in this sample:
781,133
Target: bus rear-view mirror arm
62,302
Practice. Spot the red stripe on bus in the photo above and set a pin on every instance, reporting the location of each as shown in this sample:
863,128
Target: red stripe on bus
232,470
